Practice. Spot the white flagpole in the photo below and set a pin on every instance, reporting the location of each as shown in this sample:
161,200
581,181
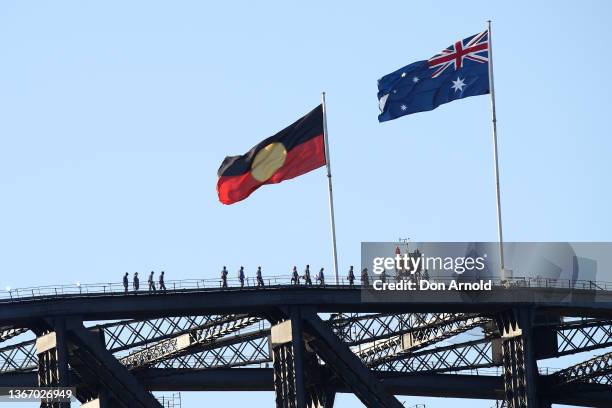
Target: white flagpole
495,155
329,183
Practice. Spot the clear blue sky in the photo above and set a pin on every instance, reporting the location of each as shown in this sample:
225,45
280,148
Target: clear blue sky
116,116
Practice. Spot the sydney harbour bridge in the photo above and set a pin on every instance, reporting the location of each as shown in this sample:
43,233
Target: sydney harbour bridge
309,343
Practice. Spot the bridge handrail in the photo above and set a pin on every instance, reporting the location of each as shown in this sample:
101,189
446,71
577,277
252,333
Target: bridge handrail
117,288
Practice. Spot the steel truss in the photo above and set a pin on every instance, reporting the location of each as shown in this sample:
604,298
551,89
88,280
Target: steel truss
306,360
355,329
417,338
186,343
235,351
119,336
584,335
9,333
470,355
597,370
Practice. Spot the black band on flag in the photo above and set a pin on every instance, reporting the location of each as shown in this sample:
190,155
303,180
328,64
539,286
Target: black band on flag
295,150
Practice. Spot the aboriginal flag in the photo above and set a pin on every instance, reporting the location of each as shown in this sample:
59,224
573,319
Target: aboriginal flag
295,150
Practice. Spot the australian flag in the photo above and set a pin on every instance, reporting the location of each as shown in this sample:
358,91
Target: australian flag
457,72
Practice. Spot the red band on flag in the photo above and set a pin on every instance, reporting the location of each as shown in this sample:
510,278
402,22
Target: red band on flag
300,159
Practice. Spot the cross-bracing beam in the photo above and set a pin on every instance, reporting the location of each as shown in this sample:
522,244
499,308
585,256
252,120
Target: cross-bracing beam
118,336
243,349
189,342
9,333
596,370
132,333
18,357
470,355
584,335
418,338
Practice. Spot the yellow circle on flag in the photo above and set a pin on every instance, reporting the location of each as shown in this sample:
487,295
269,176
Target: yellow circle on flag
268,160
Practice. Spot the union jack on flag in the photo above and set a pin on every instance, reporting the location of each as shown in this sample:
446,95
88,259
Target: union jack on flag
460,71
475,48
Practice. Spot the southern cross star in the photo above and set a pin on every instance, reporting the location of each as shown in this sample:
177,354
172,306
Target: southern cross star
458,85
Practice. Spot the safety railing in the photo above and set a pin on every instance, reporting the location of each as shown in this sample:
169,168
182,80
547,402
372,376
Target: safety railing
252,283
498,371
169,401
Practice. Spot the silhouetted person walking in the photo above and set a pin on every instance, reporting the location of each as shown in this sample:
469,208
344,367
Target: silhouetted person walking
126,282
260,281
151,283
307,278
365,279
241,276
136,282
162,284
321,277
351,276
224,277
295,277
